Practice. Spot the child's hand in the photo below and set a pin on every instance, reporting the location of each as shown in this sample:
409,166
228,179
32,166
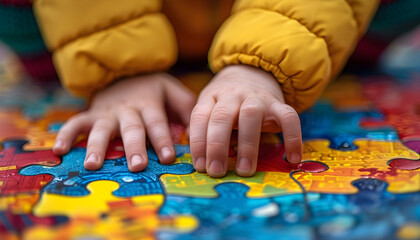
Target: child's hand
130,107
251,100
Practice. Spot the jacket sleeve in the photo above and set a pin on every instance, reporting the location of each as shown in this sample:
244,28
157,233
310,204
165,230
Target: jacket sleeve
302,43
96,42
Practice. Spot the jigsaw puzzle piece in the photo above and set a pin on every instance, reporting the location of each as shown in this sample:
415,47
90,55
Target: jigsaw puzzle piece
71,178
13,158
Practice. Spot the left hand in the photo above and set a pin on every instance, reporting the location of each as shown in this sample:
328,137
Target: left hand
250,100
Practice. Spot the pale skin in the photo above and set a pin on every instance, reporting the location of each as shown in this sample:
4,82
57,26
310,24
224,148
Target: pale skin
239,97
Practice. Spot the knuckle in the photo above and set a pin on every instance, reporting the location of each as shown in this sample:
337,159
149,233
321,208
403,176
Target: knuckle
251,109
220,115
217,142
94,145
293,138
289,116
104,125
197,117
130,128
134,145
160,140
197,143
155,125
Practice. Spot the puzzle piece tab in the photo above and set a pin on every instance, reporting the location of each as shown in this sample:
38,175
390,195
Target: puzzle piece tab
71,177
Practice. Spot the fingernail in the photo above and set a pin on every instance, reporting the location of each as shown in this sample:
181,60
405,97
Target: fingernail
136,160
295,158
92,158
166,152
216,167
58,144
200,164
244,165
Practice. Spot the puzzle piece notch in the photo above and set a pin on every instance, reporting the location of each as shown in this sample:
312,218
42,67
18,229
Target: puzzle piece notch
71,178
13,158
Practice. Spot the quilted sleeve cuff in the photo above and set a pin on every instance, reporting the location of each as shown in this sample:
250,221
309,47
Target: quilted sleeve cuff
96,42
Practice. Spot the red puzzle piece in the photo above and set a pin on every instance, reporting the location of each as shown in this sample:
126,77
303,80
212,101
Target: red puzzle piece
13,158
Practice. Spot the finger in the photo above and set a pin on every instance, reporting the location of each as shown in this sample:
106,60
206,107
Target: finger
134,139
289,120
198,132
81,123
219,131
154,118
250,120
97,144
180,99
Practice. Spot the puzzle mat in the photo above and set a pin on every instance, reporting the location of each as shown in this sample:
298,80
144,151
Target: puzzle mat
359,178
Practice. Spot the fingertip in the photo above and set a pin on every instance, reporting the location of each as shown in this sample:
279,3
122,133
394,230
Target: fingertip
295,158
216,169
167,155
244,168
200,164
137,163
59,147
92,162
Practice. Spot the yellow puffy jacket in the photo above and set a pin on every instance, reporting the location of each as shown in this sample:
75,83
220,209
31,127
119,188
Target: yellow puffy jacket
303,43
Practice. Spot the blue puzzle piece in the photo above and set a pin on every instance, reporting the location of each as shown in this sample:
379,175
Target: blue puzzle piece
71,178
341,128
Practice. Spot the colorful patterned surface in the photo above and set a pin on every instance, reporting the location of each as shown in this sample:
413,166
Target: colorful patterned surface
360,178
